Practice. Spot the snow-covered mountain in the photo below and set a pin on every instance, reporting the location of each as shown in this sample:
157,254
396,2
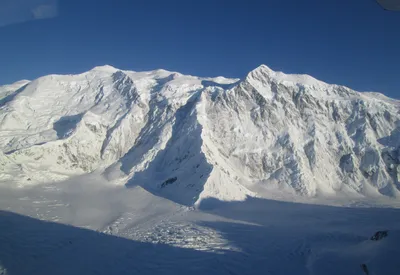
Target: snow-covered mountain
188,138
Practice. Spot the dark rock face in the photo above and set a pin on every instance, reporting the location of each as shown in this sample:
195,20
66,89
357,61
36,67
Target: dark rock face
169,181
365,269
379,235
347,163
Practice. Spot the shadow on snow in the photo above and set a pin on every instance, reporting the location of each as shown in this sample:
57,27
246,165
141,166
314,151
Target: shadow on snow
268,237
179,171
31,246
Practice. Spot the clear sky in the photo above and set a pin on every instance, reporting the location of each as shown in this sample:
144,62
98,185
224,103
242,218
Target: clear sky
351,42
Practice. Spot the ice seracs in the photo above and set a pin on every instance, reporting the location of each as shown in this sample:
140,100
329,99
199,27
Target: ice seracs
188,138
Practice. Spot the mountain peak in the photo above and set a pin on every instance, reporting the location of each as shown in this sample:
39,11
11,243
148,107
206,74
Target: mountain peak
264,72
105,68
264,68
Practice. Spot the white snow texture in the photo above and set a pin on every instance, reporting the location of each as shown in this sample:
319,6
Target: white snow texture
188,138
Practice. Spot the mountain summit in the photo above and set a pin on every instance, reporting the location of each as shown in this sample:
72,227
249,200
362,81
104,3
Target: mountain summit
188,138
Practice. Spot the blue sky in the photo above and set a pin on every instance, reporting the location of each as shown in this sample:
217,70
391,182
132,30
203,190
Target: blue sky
350,42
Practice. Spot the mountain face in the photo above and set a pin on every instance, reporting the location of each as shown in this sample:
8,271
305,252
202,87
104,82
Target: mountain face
188,138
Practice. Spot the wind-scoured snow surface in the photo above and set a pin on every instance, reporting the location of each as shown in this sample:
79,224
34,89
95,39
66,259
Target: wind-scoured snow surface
122,172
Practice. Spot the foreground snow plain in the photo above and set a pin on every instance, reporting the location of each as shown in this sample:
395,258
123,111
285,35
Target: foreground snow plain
86,226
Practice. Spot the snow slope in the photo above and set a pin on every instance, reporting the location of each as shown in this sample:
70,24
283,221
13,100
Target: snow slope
188,138
85,226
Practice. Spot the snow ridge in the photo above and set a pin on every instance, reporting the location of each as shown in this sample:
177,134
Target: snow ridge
189,138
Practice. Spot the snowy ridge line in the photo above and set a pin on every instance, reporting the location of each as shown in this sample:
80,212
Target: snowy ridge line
189,138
